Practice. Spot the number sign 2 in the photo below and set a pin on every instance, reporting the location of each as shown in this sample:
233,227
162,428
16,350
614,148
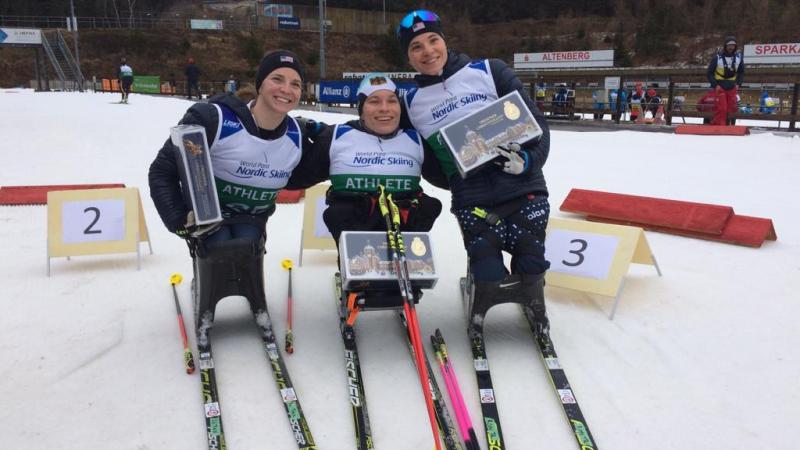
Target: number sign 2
593,257
94,221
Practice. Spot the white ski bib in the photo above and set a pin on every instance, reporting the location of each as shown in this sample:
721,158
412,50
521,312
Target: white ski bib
249,171
361,161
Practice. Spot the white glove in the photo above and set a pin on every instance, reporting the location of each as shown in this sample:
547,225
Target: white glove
516,161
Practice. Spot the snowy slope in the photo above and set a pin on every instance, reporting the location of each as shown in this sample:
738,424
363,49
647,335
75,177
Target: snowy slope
705,357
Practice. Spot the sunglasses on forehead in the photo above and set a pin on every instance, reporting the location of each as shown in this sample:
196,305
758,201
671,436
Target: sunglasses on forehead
424,15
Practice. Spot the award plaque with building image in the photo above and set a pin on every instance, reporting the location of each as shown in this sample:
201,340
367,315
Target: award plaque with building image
473,140
196,173
366,264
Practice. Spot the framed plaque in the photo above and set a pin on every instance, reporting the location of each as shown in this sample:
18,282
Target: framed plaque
196,172
473,139
367,265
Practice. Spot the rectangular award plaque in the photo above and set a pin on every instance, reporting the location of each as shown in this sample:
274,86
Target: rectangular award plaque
473,139
367,265
196,172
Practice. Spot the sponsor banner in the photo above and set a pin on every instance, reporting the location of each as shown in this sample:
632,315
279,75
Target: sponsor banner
288,23
278,10
392,75
547,60
338,91
147,84
21,36
347,91
205,24
772,53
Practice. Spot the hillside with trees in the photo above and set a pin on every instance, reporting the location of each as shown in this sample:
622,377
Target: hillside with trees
642,33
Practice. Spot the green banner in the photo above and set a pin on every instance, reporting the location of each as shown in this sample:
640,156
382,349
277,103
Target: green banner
147,84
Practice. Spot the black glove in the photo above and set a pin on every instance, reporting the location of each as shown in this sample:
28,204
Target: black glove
310,127
191,230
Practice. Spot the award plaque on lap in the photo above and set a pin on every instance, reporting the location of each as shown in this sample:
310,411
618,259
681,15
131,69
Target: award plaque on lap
196,172
473,139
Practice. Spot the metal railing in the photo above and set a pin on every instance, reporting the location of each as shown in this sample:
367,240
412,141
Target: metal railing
48,49
71,61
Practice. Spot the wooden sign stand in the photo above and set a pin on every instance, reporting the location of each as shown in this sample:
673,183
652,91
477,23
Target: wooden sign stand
594,257
95,221
315,234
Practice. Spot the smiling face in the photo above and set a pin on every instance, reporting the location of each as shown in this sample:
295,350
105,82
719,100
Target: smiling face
427,53
381,113
280,90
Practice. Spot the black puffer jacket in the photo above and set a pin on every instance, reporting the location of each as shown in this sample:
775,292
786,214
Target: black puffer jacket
490,186
165,186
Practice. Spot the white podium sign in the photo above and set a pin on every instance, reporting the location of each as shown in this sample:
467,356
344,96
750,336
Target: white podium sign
581,254
95,221
594,257
92,221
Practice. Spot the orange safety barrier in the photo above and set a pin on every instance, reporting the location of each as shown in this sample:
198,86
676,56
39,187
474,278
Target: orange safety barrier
713,130
698,220
115,86
37,195
106,85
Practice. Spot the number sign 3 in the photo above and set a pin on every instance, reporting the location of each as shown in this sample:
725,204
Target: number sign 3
580,253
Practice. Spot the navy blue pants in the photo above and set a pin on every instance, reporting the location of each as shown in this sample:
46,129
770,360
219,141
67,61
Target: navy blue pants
521,234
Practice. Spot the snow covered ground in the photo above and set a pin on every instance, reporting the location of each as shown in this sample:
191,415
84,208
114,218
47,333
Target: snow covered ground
705,357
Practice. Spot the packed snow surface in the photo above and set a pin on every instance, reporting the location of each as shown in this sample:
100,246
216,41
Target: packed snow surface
704,357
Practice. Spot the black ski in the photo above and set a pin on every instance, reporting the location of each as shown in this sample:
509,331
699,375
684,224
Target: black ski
355,382
491,417
213,412
560,383
297,420
443,419
208,380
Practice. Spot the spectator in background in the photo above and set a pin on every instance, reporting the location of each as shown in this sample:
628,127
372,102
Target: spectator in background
706,104
540,96
231,85
725,74
620,109
767,104
125,78
652,100
192,78
636,99
598,98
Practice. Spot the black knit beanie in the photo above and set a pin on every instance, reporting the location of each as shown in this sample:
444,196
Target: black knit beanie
419,26
278,59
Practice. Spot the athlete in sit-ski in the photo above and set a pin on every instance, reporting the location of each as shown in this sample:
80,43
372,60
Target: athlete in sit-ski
503,206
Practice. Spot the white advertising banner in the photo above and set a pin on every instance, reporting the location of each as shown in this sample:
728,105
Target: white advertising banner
205,24
20,36
550,60
392,75
772,53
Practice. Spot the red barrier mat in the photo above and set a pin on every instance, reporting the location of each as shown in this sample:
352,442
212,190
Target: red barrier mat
740,230
287,196
690,216
712,130
37,195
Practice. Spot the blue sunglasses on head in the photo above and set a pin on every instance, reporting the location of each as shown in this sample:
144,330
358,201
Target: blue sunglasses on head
424,15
